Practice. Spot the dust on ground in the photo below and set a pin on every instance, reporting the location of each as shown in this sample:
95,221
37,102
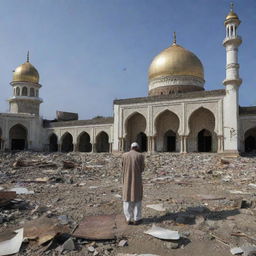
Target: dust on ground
210,200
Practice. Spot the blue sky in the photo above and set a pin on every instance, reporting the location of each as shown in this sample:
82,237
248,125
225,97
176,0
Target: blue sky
90,52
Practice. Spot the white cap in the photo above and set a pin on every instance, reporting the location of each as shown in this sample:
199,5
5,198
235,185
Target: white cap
135,145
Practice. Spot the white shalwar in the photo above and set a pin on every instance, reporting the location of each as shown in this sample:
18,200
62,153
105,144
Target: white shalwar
132,210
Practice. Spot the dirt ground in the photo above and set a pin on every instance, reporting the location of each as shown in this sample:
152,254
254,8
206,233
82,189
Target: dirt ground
209,199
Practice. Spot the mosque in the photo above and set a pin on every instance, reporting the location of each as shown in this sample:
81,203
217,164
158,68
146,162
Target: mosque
178,115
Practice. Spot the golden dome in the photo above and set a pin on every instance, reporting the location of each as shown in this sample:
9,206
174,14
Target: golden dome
176,61
26,72
232,15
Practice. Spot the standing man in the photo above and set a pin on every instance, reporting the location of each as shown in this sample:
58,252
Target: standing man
133,166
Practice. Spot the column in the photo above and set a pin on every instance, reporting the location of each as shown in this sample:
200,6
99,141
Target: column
59,147
181,144
185,144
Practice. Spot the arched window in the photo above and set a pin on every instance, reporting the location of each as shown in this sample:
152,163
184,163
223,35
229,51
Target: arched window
32,92
18,91
37,93
24,91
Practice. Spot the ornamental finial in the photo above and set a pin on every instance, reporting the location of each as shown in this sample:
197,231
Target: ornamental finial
231,6
174,38
28,56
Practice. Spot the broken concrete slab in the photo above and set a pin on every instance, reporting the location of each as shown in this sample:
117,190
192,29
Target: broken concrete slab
13,244
236,250
43,229
157,207
163,233
21,190
103,227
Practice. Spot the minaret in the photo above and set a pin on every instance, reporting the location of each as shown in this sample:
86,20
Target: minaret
232,82
26,87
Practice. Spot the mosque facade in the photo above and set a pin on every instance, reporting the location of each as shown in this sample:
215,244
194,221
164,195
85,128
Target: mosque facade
178,115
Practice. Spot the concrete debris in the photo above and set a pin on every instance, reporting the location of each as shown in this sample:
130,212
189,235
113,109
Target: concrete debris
123,243
69,245
163,233
193,194
43,229
101,227
157,207
20,190
236,250
13,244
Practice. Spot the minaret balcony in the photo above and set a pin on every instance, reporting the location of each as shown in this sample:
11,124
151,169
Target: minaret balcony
235,40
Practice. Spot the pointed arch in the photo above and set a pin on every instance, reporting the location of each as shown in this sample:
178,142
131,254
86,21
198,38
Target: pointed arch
166,126
67,142
83,142
250,140
202,120
102,142
24,91
135,124
53,143
18,91
18,137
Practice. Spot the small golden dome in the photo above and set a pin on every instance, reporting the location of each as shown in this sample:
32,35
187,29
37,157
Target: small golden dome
26,72
176,61
232,15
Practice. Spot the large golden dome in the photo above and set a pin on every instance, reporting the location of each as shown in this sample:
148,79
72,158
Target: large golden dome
175,70
175,61
26,72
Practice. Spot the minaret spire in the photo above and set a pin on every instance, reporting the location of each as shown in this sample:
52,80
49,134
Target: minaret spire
174,38
231,6
28,56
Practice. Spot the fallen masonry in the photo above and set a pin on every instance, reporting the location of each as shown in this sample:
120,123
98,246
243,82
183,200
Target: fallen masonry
55,204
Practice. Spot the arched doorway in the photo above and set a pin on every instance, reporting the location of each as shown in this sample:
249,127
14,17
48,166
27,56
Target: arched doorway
102,143
18,137
135,127
250,140
53,143
202,137
170,141
84,144
204,141
166,125
67,143
141,139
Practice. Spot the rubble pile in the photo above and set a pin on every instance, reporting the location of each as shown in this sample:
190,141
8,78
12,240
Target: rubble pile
70,204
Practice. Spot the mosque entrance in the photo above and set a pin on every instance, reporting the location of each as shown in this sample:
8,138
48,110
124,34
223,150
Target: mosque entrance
170,141
141,139
84,144
204,141
18,137
102,144
250,144
67,143
53,143
250,140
